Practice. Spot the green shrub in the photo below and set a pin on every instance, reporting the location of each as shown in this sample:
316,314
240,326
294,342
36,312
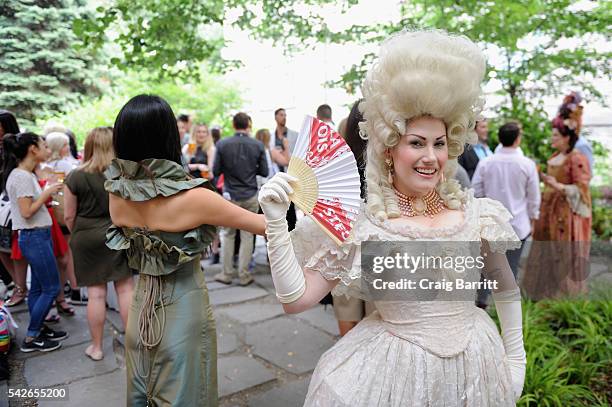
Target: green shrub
569,352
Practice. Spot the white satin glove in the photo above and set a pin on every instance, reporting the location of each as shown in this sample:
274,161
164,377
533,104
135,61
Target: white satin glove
274,196
287,274
508,306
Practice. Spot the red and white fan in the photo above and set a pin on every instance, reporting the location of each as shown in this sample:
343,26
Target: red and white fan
328,189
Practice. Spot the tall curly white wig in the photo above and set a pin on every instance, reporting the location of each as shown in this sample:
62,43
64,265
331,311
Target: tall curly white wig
420,73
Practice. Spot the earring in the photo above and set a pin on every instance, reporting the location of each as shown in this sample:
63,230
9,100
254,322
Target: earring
389,164
442,178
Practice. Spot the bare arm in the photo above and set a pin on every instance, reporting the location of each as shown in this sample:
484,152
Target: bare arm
212,209
28,206
317,287
281,157
184,211
70,207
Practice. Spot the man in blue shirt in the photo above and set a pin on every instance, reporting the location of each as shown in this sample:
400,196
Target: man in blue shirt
472,154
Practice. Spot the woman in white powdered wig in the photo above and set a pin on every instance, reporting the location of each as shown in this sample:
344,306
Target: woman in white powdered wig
421,98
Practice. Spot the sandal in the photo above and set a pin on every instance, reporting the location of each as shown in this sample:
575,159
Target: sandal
65,310
19,294
52,319
95,356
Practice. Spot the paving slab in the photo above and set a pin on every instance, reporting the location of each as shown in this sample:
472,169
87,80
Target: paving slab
23,307
99,391
260,254
67,365
596,269
237,373
226,342
4,393
76,326
322,317
212,269
215,285
265,281
288,343
114,318
290,394
249,313
236,294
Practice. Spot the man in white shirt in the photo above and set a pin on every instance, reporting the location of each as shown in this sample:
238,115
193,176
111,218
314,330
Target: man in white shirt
512,179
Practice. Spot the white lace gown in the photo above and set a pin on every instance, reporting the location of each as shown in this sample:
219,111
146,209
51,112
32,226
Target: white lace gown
444,353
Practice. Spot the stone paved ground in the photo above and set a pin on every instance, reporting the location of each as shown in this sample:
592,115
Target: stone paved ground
266,358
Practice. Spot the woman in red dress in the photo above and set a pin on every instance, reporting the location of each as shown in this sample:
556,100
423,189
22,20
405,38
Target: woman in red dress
558,260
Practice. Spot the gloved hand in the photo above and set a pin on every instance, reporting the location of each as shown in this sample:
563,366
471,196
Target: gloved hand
274,196
287,275
508,306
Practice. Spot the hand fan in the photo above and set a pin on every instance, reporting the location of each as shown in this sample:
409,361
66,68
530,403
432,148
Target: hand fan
328,189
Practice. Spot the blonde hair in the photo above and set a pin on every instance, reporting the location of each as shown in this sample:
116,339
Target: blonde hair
99,150
208,142
419,73
56,141
264,136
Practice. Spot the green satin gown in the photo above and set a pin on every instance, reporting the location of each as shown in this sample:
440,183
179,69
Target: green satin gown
171,348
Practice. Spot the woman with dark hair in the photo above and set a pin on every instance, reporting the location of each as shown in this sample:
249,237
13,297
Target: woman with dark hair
16,268
8,123
558,261
163,220
22,153
215,132
350,310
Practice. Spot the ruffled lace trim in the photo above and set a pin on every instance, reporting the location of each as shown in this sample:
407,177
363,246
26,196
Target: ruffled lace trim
316,251
495,226
148,179
149,253
574,199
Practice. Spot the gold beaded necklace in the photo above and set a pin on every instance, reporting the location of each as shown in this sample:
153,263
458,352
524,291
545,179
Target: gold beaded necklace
428,205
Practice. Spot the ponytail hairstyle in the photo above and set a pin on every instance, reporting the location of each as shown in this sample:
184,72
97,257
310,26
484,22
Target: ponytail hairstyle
15,148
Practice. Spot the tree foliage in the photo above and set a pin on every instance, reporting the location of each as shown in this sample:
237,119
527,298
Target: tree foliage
40,69
208,100
546,47
173,37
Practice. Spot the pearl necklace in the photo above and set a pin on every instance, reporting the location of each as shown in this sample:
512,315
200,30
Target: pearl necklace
428,205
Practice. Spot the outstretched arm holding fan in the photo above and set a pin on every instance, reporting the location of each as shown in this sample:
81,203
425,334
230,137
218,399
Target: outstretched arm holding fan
322,181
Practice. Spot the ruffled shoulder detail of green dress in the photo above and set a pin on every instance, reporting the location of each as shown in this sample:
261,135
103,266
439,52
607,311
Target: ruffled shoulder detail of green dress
154,252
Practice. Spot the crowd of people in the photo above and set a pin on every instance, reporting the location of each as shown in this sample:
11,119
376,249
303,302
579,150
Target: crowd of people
146,197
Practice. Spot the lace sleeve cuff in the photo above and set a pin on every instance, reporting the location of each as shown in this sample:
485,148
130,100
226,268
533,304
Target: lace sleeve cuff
495,226
314,250
574,199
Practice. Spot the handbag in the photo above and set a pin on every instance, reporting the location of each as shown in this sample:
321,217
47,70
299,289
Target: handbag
6,230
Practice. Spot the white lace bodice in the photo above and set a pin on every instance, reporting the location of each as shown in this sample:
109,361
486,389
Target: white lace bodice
442,327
